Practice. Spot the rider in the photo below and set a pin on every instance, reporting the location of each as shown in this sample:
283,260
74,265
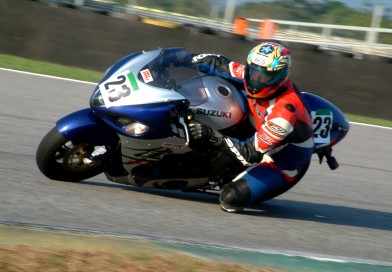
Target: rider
283,142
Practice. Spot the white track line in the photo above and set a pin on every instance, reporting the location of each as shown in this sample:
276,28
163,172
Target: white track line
42,75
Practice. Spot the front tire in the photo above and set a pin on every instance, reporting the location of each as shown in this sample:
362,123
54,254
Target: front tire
60,159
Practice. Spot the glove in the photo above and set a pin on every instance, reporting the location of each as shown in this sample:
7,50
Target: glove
201,133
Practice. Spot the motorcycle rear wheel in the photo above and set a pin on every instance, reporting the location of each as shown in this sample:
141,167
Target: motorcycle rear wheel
60,159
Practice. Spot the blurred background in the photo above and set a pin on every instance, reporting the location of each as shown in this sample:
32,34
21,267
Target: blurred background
342,50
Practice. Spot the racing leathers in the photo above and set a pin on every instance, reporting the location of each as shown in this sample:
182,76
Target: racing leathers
280,148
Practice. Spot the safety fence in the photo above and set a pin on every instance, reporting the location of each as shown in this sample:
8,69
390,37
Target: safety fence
352,39
364,40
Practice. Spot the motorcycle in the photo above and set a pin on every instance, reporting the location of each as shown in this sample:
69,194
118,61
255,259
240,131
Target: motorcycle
136,128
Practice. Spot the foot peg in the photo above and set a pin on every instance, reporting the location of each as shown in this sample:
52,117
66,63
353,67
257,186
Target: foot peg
331,160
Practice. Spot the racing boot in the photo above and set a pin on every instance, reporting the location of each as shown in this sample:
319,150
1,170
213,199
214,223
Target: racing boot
234,196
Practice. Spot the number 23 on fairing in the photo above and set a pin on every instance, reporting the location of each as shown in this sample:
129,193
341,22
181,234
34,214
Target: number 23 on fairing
322,125
114,89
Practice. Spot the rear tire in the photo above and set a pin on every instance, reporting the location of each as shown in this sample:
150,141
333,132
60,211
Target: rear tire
60,159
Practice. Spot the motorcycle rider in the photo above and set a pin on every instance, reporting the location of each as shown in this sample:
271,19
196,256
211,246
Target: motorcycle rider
282,145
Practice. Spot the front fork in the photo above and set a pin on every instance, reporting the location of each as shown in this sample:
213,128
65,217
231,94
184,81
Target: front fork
84,126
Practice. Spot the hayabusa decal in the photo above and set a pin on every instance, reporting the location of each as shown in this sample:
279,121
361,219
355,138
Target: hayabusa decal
148,156
172,145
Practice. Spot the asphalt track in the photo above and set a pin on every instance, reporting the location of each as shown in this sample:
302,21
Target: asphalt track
344,214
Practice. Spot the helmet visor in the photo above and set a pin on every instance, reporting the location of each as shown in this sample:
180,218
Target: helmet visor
257,78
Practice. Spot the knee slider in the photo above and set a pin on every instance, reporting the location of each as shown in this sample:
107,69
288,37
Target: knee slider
236,193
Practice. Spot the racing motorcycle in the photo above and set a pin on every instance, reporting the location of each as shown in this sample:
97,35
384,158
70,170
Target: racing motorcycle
136,128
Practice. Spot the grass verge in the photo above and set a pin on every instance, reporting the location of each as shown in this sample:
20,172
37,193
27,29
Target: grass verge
40,67
52,69
28,249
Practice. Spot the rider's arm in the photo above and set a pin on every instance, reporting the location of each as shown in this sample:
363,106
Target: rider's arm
219,65
243,151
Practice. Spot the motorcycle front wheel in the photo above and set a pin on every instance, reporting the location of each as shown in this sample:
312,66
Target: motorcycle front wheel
60,159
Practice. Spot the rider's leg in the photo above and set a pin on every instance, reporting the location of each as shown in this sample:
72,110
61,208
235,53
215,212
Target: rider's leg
250,186
220,162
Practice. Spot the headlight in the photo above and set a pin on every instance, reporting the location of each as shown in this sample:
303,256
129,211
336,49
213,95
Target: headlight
97,99
136,128
129,125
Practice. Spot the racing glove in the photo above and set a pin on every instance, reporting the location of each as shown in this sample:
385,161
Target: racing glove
243,152
203,134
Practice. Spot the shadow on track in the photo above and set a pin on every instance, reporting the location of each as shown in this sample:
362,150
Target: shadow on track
322,213
279,208
177,194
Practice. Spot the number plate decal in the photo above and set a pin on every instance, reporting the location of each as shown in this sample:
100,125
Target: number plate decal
322,125
116,88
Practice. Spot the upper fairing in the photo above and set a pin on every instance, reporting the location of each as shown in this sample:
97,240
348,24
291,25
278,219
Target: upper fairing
123,84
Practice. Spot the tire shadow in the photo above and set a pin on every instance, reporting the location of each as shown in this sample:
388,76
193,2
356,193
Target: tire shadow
322,213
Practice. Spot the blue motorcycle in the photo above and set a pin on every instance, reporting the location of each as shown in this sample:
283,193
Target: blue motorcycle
136,132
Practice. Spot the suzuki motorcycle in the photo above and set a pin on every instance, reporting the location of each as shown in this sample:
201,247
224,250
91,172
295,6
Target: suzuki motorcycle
136,129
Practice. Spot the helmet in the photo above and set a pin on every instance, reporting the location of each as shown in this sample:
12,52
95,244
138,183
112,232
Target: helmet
267,69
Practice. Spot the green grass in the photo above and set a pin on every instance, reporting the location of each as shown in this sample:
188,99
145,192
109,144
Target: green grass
369,120
40,67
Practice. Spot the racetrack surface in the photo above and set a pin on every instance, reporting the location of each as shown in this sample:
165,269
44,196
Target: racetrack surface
345,214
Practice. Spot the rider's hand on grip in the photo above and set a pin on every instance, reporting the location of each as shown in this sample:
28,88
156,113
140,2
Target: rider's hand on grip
200,132
203,134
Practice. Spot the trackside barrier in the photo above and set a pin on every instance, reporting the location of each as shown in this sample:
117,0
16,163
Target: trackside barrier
267,29
289,32
240,26
280,30
323,36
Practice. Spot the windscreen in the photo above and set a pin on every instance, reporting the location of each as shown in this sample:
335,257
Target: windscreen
173,69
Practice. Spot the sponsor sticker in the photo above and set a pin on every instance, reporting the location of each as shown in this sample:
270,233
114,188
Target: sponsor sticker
146,75
275,128
265,139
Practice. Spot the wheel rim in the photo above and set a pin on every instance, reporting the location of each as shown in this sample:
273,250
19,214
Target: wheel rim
71,157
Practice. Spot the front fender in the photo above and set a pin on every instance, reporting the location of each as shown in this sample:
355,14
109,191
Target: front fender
84,126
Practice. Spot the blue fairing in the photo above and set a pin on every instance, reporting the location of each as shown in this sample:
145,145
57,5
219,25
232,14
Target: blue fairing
155,116
84,126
